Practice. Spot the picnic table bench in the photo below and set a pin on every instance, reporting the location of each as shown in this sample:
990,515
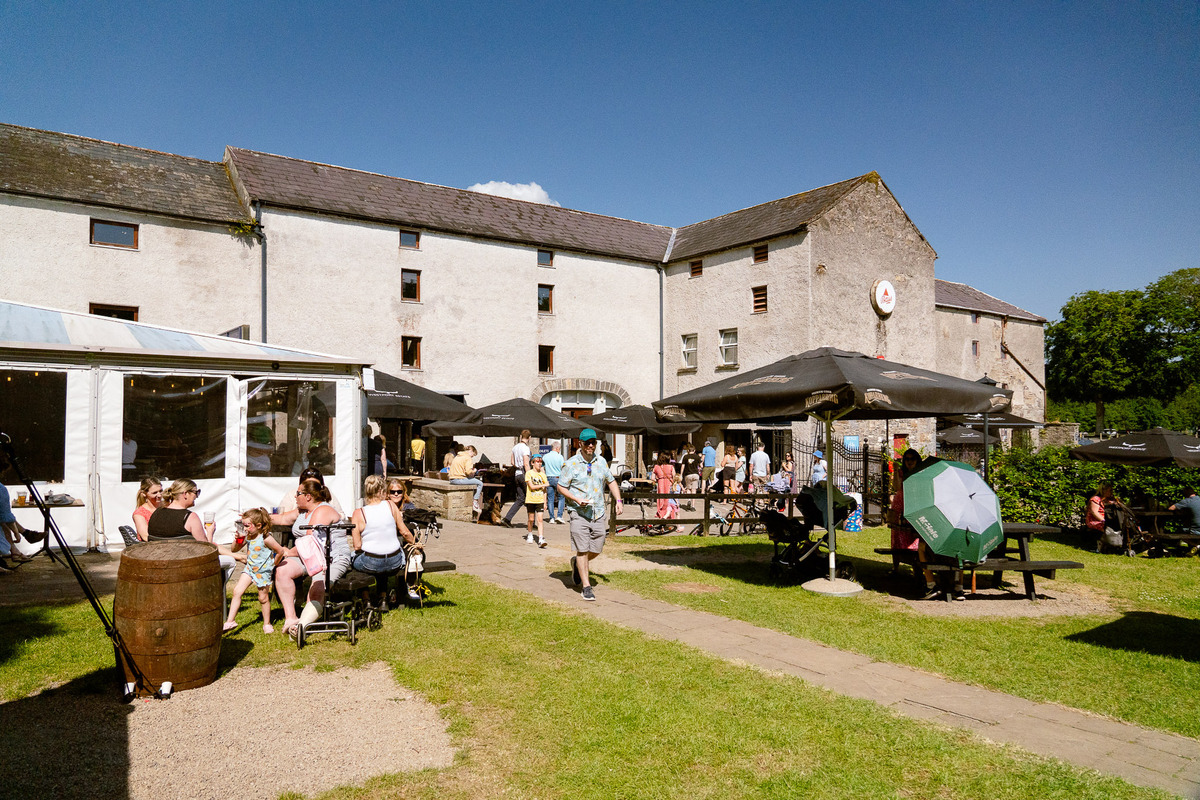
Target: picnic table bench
1004,558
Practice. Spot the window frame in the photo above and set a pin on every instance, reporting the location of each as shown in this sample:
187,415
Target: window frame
549,310
135,227
417,273
723,345
975,348
696,268
685,351
760,253
416,239
405,341
758,297
546,355
98,309
548,261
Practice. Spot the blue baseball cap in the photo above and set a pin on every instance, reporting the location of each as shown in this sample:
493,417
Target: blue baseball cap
587,435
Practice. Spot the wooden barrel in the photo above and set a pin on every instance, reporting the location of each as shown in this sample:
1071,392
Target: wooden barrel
168,611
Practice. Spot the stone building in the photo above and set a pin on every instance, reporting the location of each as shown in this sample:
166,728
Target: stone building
482,297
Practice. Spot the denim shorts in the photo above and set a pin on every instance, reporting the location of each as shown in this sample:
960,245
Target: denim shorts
365,562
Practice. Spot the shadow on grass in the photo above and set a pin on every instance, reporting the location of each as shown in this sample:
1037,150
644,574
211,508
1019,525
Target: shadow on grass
1147,632
69,742
23,624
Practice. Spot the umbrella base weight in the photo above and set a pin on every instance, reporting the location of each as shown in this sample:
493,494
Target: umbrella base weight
839,587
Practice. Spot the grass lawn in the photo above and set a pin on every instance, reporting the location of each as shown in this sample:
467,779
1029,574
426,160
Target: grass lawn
548,702
1138,663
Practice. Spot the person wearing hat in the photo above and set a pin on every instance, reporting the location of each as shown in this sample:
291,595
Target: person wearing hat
581,484
820,469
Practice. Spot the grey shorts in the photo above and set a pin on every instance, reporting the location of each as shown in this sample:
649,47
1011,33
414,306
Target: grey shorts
587,535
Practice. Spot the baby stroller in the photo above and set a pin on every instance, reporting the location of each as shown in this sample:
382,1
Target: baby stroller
800,553
423,524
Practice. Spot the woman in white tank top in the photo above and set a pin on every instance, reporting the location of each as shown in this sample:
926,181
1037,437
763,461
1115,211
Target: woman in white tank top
377,547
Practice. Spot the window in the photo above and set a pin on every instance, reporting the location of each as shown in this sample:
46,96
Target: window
410,285
975,349
689,350
173,427
975,317
545,258
290,424
410,352
760,254
729,346
545,359
116,312
759,293
545,299
33,407
410,240
697,268
114,234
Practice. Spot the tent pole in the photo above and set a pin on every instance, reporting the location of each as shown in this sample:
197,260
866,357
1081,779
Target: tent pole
830,525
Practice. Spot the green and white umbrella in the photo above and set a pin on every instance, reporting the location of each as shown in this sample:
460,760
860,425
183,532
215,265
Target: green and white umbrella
954,511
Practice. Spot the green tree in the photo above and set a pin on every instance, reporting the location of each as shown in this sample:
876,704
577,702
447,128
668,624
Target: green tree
1172,312
1096,352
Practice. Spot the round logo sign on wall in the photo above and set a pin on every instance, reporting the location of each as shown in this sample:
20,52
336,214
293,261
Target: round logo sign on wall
883,297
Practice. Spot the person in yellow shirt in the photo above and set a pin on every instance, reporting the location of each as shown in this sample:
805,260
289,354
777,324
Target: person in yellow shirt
417,448
462,471
535,498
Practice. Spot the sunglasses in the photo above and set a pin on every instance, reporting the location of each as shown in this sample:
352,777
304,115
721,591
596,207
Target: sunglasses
302,494
395,491
196,492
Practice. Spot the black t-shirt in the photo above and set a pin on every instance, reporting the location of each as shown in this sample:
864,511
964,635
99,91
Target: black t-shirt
691,464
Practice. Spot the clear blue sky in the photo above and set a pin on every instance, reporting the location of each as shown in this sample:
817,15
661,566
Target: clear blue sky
1044,149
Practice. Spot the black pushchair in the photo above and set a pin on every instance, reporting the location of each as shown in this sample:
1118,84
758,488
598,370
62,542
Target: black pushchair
800,553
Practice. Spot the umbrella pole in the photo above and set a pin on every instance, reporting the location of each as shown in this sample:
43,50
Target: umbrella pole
830,525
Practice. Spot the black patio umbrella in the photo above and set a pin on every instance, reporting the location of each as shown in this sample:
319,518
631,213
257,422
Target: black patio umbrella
1155,447
509,418
637,420
964,435
832,384
1001,420
394,398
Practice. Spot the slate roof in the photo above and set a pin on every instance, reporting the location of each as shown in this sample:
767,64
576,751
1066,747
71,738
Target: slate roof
65,167
309,186
761,222
958,295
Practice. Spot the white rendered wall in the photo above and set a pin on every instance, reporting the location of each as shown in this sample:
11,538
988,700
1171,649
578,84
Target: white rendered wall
957,329
183,274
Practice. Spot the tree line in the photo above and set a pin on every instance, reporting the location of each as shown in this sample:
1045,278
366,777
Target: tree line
1128,359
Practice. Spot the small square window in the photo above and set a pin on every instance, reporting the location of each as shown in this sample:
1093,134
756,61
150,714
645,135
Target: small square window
545,359
975,349
410,285
759,293
760,254
545,299
116,312
729,347
545,258
410,240
697,268
689,350
975,317
114,234
410,352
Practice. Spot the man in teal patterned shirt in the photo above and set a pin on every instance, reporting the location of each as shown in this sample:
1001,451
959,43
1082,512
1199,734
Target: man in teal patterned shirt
581,484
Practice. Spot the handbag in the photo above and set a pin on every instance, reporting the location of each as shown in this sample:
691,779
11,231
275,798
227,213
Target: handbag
309,550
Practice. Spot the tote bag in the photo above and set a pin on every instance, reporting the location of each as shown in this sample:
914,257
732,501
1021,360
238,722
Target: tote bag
309,550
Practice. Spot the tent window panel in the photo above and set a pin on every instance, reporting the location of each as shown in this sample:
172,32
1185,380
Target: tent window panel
290,425
33,411
174,427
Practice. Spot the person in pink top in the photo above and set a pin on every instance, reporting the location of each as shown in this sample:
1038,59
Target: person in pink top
664,477
149,500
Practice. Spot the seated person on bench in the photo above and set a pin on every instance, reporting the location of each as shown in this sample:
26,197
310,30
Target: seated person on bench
1190,504
312,503
377,548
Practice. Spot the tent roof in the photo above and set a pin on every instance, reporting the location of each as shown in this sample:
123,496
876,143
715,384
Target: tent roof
87,337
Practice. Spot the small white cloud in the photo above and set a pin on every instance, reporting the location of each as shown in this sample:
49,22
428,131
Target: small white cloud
532,192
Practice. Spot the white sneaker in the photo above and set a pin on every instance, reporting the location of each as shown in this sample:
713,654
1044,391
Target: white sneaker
541,542
529,538
559,520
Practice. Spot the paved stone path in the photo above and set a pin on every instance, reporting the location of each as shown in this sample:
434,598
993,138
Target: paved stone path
1138,755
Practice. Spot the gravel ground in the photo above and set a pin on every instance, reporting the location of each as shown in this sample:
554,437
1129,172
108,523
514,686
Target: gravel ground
254,733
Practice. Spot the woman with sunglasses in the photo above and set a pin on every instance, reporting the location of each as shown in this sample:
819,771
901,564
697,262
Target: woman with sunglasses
176,520
397,494
377,548
312,503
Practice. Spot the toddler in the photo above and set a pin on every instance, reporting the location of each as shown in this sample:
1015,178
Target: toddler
261,548
535,498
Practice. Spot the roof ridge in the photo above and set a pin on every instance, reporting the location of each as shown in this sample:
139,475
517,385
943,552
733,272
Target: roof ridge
497,197
111,144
